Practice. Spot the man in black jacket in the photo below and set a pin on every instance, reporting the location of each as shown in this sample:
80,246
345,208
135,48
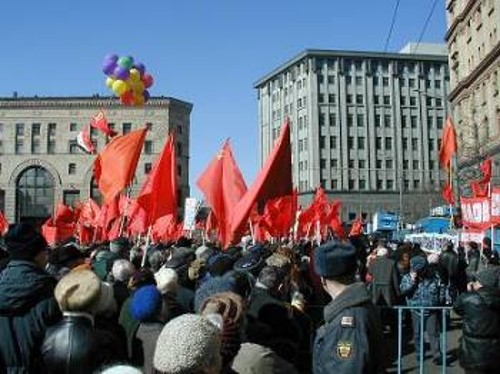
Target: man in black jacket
350,341
480,308
27,304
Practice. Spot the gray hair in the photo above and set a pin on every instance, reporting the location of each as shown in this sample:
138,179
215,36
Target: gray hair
122,270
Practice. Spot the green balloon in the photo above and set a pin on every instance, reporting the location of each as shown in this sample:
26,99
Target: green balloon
126,62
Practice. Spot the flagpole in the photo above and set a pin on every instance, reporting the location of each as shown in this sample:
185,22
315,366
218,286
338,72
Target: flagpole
492,227
124,214
146,245
252,233
450,181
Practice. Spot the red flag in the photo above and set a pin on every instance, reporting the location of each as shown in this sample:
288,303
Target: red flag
485,168
108,212
158,196
223,186
89,213
478,189
165,228
83,140
448,194
4,224
55,234
357,227
279,214
100,122
115,166
274,180
63,215
448,144
210,225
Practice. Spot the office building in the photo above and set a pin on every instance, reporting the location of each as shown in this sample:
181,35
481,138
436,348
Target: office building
365,125
474,58
41,163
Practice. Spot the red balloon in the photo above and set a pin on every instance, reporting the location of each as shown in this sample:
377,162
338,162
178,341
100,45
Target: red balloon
147,79
127,98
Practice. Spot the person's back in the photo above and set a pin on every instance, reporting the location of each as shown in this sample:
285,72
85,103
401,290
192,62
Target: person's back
385,284
27,304
480,309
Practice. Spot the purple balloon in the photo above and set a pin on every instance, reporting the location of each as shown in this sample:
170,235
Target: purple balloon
146,95
121,73
108,67
140,66
111,57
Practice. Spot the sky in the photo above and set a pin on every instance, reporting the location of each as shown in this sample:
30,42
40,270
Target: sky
206,52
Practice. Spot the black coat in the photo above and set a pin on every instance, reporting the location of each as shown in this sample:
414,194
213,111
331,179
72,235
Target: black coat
350,341
480,343
74,346
385,284
27,308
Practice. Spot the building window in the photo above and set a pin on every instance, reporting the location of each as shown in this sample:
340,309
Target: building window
430,122
35,146
19,129
387,100
333,142
375,81
321,98
52,130
439,102
34,194
439,122
331,98
404,118
413,120
388,143
437,84
413,101
126,127
73,146
322,142
71,198
411,83
19,146
405,164
35,129
349,99
416,184
361,142
148,147
359,99
147,167
388,164
351,184
333,119
378,165
432,164
378,143
377,120
380,184
360,120
428,101
390,184
376,99
73,126
415,164
51,146
387,120
179,170
385,81
414,144
331,79
403,100
359,81
179,148
348,79
405,144
72,168
361,164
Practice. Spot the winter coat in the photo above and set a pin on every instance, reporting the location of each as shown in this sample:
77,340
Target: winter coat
257,359
350,341
74,346
130,326
426,290
27,309
385,284
147,334
448,262
480,343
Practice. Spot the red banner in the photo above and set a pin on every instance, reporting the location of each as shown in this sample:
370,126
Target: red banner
481,212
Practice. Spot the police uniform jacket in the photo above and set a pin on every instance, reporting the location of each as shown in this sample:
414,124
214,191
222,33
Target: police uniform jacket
350,341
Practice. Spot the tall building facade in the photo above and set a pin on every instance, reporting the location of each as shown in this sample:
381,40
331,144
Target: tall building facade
365,126
474,57
41,163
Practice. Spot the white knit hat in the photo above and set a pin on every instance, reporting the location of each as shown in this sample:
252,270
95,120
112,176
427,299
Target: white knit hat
188,343
166,280
121,369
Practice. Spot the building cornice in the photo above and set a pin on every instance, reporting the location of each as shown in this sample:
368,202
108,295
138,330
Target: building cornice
323,53
85,102
459,19
471,78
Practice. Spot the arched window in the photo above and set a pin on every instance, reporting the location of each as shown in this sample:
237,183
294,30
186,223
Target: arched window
35,195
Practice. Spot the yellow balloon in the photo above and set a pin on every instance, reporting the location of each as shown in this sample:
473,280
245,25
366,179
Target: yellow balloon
109,82
135,75
139,100
119,87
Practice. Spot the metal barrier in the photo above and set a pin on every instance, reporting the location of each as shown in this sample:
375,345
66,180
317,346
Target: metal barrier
444,312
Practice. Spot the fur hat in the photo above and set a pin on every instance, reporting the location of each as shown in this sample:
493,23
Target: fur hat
166,280
121,369
23,242
219,264
252,263
211,287
231,307
278,260
63,256
122,270
197,270
418,263
334,259
146,303
78,291
188,344
203,253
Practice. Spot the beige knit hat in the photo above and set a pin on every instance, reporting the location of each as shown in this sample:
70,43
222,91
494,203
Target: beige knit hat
78,291
188,343
166,280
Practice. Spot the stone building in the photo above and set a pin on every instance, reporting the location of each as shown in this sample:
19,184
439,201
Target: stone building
474,58
365,125
41,163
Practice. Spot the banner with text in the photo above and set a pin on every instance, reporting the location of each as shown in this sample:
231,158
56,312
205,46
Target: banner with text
481,212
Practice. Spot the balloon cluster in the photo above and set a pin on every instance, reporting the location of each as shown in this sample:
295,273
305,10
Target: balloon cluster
127,79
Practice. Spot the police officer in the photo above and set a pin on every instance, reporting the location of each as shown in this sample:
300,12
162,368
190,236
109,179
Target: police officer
350,341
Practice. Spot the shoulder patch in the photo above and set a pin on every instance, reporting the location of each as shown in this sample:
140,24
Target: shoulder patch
344,350
347,321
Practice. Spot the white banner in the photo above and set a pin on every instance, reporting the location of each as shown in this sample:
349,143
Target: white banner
190,210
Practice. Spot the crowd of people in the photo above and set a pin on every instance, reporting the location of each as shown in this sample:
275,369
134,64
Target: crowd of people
188,307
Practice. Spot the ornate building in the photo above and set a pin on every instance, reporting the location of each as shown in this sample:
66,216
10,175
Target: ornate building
41,163
474,58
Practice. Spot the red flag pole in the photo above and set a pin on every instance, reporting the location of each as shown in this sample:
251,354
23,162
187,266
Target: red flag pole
252,232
